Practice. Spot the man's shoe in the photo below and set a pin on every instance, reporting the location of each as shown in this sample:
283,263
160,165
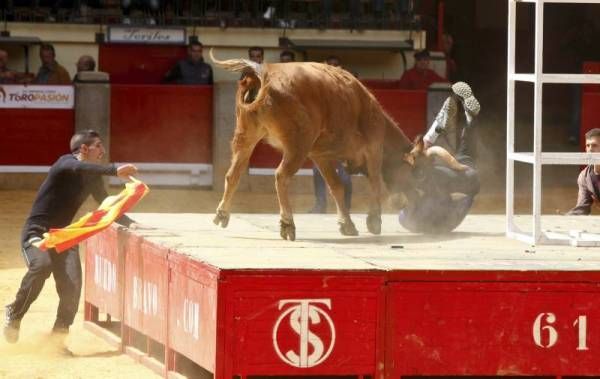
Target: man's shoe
59,336
11,326
60,328
464,91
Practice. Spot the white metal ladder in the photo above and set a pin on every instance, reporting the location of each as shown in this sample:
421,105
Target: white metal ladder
538,158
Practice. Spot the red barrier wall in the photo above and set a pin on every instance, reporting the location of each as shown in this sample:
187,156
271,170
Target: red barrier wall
138,64
263,313
193,310
491,329
35,137
265,156
591,67
407,108
342,322
104,273
590,114
381,83
146,288
161,123
132,315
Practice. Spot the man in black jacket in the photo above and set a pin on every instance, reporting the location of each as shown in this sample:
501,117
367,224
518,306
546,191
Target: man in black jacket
192,70
71,179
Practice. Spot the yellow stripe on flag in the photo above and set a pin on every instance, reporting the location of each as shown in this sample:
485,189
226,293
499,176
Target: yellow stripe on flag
91,223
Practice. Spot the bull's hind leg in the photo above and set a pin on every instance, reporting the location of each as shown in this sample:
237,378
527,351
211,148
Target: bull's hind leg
242,147
289,165
374,161
327,168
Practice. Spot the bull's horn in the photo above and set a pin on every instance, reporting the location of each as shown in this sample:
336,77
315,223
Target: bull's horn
446,157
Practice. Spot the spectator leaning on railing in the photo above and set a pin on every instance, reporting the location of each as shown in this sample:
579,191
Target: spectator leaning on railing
192,70
51,72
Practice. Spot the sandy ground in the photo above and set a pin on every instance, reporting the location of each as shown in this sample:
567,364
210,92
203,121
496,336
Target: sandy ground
37,356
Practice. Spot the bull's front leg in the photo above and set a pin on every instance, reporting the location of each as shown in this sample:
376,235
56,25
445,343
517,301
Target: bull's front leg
242,148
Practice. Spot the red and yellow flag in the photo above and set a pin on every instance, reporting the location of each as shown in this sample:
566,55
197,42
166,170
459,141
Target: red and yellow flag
93,222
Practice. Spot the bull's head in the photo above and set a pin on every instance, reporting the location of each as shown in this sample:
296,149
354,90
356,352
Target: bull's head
416,153
401,168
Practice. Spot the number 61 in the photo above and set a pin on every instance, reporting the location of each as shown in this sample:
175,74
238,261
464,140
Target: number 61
547,319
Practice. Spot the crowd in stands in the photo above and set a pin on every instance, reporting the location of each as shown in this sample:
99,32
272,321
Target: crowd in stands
389,14
194,70
50,72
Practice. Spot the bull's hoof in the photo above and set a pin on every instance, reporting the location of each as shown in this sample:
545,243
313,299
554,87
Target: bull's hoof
374,223
347,228
287,230
222,218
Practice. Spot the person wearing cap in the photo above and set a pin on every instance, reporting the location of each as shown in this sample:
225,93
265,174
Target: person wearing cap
444,191
420,77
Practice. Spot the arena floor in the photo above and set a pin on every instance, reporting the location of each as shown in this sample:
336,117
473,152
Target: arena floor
35,356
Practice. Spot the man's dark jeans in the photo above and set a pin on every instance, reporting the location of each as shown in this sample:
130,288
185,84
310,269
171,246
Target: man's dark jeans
66,269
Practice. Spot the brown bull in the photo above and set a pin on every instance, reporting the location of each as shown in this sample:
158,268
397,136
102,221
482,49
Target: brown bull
317,111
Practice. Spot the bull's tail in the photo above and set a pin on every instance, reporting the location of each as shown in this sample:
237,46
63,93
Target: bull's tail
245,66
238,65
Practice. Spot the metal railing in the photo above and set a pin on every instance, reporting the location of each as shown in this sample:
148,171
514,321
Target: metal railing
321,14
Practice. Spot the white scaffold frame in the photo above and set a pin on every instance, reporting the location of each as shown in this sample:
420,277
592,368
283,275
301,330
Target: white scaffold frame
537,158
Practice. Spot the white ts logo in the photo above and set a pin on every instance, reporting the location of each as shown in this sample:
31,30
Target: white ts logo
303,314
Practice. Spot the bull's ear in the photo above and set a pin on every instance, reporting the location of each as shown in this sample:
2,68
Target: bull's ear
409,158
